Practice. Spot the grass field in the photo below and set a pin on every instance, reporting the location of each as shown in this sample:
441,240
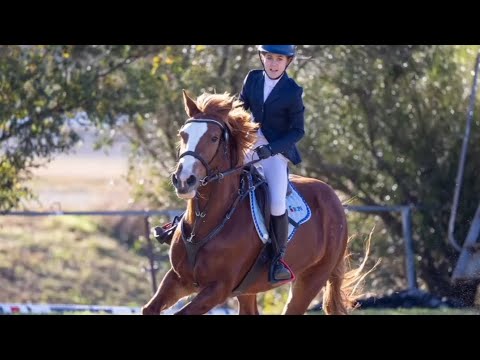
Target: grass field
68,260
72,260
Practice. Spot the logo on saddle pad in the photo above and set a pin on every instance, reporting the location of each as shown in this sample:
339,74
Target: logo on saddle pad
298,213
294,208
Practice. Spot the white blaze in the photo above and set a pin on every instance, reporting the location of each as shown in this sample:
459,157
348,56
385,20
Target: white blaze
195,132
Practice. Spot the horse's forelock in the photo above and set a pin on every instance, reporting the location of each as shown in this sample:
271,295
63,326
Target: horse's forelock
215,104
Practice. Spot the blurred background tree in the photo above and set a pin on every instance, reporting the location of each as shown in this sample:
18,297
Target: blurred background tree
47,90
384,125
392,120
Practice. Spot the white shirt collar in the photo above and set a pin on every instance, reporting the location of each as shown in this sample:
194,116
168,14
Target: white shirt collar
269,82
268,85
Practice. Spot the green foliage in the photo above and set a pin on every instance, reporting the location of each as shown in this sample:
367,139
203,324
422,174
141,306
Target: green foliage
385,126
43,89
273,301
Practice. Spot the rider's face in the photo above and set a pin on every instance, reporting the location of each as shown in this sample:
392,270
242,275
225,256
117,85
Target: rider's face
275,64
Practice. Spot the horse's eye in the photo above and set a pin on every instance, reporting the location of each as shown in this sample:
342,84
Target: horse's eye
215,139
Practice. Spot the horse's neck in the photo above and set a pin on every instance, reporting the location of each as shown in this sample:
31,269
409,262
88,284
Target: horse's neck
214,200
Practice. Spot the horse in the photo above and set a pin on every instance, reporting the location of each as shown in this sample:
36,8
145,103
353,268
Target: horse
218,224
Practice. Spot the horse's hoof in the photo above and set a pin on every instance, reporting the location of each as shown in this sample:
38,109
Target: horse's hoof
149,311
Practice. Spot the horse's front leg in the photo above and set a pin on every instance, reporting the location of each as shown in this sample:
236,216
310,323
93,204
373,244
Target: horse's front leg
168,293
247,304
209,297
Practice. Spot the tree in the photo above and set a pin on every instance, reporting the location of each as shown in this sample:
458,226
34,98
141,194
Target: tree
43,89
386,124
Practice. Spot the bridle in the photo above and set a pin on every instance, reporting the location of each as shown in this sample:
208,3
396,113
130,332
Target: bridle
225,139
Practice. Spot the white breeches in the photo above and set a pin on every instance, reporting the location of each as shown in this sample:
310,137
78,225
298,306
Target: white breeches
275,171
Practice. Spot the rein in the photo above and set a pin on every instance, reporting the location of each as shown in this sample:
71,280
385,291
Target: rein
220,175
245,188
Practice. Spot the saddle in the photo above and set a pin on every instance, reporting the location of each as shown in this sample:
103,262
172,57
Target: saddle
261,191
261,195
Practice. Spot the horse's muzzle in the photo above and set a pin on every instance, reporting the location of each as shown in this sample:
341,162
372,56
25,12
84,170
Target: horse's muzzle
185,187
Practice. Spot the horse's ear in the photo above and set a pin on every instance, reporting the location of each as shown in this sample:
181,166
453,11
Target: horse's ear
190,106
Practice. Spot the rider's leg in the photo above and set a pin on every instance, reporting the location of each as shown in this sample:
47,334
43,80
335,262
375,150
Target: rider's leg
275,169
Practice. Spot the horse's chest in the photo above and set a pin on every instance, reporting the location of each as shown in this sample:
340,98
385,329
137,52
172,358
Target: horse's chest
179,260
206,263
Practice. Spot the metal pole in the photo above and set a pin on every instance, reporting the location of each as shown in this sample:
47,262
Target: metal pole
459,179
409,253
153,270
468,264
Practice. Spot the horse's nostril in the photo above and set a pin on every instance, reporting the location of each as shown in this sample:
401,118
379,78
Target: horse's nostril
191,180
174,180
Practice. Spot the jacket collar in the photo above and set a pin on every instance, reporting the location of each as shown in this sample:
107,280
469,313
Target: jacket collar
276,90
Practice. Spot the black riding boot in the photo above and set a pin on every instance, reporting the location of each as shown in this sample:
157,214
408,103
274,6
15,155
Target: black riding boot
278,271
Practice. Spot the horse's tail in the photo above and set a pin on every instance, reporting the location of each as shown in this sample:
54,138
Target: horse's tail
343,288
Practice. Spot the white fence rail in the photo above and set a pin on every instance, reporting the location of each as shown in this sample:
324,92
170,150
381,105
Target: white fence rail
45,309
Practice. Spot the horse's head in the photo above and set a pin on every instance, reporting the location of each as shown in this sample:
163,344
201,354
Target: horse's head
213,139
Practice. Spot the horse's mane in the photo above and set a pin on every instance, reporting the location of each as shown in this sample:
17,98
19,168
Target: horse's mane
230,110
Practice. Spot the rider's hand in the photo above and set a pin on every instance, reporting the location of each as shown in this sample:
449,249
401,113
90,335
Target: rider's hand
263,151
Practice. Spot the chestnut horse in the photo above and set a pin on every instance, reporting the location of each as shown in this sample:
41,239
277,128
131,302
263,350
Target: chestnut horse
213,141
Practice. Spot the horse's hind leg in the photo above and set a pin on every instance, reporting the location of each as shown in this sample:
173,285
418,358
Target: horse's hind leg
305,288
247,304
